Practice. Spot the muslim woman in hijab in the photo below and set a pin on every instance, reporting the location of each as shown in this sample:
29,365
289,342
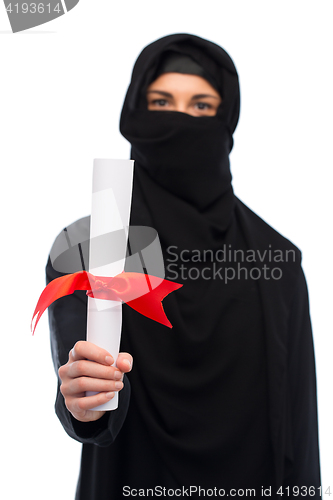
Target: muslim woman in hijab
226,399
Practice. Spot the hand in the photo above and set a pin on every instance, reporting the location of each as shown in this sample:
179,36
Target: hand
89,369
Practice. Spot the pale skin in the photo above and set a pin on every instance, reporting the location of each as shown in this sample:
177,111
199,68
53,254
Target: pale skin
189,94
89,367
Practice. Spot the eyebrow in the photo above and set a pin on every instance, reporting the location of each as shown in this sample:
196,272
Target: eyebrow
200,96
167,94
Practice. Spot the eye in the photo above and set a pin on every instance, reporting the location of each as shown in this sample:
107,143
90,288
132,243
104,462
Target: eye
203,105
159,102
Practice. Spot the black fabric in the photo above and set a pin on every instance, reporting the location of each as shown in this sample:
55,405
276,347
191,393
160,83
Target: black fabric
173,62
220,400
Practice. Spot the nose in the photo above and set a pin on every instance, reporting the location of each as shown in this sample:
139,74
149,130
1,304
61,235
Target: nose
181,106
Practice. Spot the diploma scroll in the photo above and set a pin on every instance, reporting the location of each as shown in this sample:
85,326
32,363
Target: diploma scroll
111,203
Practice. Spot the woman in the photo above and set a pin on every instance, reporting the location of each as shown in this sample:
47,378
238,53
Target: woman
226,400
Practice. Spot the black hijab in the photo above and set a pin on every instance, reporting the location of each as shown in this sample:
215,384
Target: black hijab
186,156
228,396
199,390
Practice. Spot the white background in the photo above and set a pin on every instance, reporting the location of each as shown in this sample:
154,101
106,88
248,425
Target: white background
62,86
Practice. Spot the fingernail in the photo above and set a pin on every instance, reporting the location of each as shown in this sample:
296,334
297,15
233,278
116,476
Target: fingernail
118,385
109,360
109,395
117,375
129,363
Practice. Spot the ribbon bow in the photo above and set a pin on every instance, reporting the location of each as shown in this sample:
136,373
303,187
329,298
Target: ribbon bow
142,292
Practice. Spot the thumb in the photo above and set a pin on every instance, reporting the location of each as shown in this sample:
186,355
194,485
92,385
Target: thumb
124,362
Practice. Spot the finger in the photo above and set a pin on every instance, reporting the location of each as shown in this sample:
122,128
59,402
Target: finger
77,405
81,385
87,368
88,415
88,350
124,362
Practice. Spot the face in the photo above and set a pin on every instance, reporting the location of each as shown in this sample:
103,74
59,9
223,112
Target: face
189,94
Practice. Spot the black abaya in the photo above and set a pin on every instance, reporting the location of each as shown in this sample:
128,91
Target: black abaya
227,398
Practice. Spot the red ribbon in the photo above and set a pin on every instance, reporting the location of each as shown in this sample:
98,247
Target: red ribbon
142,292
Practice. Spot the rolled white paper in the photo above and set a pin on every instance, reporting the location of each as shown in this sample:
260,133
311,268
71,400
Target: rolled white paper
111,204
